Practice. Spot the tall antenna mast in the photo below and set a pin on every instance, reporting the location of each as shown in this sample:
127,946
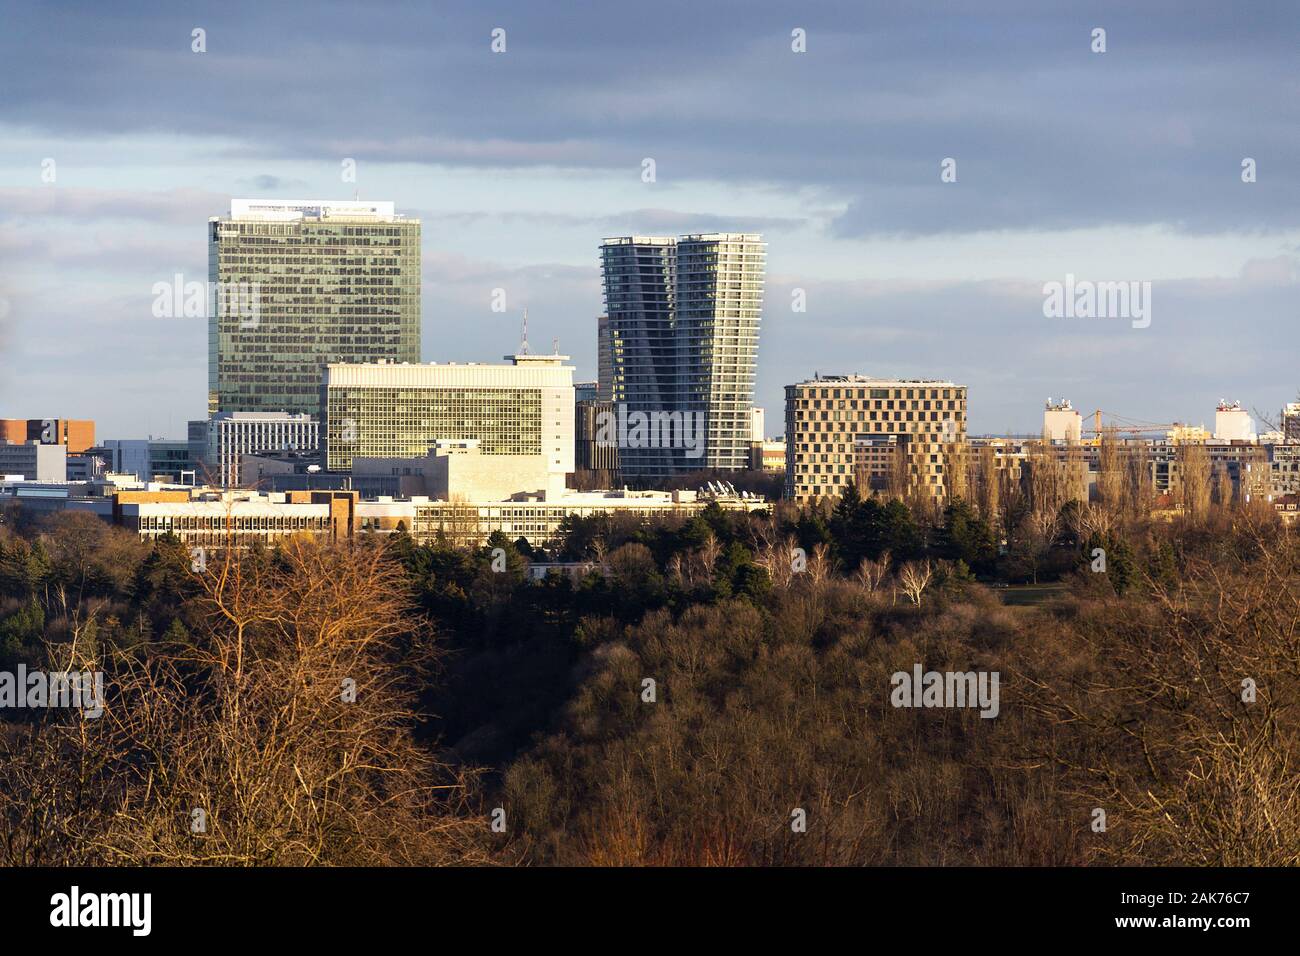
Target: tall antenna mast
523,346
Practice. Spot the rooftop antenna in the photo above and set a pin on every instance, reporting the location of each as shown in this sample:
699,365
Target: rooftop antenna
523,346
555,346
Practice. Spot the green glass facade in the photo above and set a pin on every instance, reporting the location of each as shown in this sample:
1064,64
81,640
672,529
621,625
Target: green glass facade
373,422
324,288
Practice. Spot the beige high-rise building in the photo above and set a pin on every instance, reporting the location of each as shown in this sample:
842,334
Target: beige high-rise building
851,428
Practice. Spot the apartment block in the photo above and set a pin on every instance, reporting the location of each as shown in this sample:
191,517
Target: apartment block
605,352
1284,464
837,425
1290,424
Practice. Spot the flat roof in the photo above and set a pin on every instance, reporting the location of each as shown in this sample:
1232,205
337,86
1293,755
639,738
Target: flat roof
290,209
690,237
868,380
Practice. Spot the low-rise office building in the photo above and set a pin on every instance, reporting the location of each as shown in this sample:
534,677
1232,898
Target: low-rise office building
76,435
386,410
206,517
236,518
456,470
538,518
34,461
214,518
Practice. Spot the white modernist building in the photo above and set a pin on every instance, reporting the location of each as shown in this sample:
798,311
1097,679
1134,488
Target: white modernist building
231,435
522,412
535,517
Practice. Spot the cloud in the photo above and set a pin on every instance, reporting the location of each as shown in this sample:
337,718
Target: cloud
992,336
172,206
1046,133
268,183
1279,270
631,222
842,145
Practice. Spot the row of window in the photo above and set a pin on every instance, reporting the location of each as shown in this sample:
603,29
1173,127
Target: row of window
877,393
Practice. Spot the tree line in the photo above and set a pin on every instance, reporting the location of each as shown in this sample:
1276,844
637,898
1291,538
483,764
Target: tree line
713,690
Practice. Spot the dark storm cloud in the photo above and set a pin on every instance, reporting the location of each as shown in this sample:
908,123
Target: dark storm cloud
1046,134
268,183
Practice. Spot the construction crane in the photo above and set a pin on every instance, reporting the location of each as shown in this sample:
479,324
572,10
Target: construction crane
1125,426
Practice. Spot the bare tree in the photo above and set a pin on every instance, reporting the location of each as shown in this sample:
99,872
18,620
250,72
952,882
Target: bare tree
1194,479
819,564
1139,490
871,574
899,479
956,456
988,483
1185,731
282,735
1110,471
914,577
776,557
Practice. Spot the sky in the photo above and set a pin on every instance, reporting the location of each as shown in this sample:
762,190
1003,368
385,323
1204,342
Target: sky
118,140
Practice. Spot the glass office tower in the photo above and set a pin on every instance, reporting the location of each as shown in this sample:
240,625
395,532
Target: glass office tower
681,336
638,273
298,284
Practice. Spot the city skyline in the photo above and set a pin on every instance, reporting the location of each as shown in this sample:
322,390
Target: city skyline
690,436
835,154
